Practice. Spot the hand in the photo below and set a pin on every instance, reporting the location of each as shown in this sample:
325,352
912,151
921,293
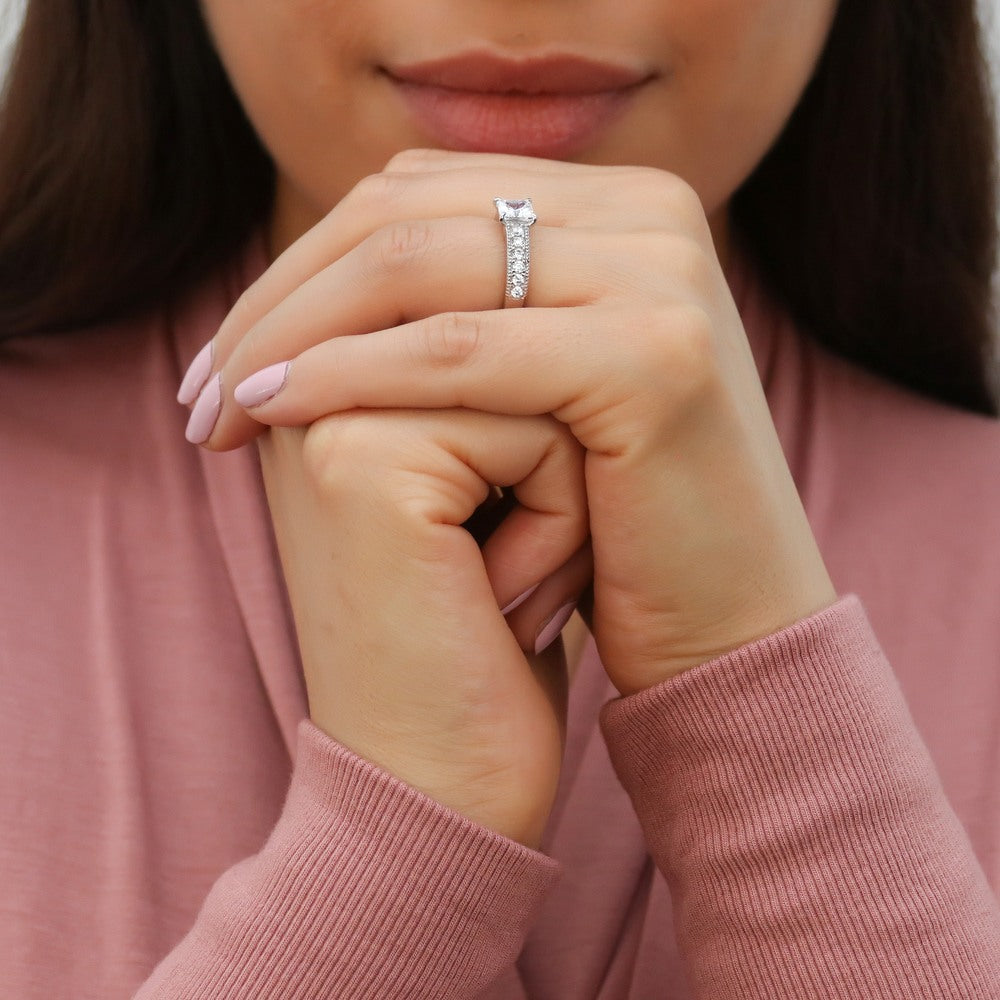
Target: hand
700,542
407,658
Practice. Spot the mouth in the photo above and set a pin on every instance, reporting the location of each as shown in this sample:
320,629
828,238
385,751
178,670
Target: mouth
553,107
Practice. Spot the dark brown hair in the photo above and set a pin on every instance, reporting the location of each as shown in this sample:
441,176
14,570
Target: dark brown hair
128,172
874,216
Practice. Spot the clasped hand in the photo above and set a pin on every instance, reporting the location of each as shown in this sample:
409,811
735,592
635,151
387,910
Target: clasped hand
622,406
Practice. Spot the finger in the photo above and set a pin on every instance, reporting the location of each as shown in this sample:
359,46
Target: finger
537,622
590,367
573,195
423,159
564,195
415,270
550,668
550,521
437,465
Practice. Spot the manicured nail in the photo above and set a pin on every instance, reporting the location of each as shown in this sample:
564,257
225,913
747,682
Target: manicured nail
519,600
548,632
196,375
264,385
205,412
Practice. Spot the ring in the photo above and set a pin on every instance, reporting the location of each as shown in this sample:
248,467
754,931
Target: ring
517,215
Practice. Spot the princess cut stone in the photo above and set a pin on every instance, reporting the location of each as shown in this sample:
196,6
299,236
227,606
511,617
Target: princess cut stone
515,210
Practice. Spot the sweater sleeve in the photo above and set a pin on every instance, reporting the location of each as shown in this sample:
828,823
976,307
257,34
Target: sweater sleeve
365,888
792,807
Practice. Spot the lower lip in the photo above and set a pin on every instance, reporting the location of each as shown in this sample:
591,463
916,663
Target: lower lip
547,125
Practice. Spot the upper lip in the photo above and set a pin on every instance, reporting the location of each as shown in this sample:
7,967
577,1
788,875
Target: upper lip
485,72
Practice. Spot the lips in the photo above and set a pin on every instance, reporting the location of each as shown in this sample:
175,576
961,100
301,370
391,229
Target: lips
554,106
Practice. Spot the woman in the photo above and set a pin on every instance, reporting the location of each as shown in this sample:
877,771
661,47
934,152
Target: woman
757,814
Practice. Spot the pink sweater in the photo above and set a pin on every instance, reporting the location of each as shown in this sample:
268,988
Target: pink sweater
796,820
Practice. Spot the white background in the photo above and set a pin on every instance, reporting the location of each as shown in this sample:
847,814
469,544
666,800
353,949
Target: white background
10,18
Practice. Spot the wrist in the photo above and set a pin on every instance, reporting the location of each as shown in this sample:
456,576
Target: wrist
736,635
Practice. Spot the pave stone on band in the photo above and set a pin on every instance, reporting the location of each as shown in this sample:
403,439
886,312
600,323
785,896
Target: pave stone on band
517,215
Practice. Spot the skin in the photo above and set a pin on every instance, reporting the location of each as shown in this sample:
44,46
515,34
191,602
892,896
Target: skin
634,362
730,73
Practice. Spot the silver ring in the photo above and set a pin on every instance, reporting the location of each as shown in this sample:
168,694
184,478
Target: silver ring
517,216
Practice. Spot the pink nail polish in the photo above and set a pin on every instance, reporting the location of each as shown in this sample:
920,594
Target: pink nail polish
519,600
262,386
205,412
548,632
196,375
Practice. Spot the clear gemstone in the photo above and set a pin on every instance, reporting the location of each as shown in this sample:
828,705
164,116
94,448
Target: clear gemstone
515,210
517,291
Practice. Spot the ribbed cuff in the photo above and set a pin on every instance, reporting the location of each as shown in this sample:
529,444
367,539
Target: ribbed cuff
788,799
366,888
769,693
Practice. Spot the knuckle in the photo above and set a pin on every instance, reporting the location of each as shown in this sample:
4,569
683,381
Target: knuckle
408,159
375,191
335,450
677,199
400,245
686,260
246,310
693,340
246,335
251,354
371,463
679,355
451,338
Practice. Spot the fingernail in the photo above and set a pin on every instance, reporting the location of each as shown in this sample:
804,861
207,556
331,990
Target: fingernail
205,412
519,600
548,632
196,375
263,385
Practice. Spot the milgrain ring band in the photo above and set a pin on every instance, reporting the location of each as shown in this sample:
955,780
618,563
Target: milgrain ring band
517,216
